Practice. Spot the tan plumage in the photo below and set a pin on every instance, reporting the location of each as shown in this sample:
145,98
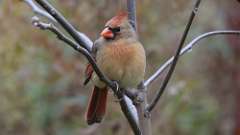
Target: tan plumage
121,57
127,58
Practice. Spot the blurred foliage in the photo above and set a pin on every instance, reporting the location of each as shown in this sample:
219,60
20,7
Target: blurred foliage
41,78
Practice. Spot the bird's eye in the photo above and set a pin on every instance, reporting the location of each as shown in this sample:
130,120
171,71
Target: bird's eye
115,30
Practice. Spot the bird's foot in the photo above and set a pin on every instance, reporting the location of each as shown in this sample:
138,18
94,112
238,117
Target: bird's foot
139,98
140,94
117,91
147,114
135,95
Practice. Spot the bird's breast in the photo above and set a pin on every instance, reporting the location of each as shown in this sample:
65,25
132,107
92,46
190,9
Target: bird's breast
123,62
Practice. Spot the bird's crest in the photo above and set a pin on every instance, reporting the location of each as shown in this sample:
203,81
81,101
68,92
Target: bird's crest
118,19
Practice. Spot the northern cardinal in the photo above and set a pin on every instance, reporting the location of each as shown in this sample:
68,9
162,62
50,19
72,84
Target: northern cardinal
121,57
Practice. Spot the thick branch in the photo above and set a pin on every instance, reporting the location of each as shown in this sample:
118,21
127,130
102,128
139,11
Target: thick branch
132,107
130,116
144,122
187,49
169,74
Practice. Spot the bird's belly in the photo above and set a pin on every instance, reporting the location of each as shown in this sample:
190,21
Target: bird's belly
118,65
132,76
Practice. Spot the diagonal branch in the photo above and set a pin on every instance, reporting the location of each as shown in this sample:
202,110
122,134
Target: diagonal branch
186,49
39,11
74,45
171,70
64,23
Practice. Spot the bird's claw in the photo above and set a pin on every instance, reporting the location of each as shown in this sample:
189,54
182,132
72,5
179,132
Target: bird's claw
138,99
147,114
116,85
117,91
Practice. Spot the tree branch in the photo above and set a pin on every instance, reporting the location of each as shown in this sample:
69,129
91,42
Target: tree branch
39,11
65,24
74,45
144,122
187,49
132,108
171,70
131,6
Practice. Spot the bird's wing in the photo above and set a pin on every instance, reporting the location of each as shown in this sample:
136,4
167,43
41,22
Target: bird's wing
89,69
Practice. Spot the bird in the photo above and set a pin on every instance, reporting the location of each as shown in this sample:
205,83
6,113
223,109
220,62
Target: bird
121,57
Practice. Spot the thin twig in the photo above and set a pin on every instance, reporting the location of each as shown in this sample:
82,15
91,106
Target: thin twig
64,23
187,49
74,45
39,11
169,74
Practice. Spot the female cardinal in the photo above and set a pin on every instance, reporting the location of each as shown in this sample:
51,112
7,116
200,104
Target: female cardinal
121,57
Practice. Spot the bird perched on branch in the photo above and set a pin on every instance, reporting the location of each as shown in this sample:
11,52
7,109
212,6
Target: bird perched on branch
121,57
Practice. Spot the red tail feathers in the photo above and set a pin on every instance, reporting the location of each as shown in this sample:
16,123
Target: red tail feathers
97,105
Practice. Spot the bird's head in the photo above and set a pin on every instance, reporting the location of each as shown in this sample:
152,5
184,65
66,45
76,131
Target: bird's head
118,27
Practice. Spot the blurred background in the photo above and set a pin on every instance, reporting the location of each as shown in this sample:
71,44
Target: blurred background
41,90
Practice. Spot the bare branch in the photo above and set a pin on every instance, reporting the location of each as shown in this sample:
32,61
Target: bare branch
39,11
171,70
61,36
187,49
65,24
85,39
144,122
132,108
74,45
130,115
131,6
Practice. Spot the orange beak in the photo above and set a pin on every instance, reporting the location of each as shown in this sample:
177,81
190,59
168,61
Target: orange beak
106,33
